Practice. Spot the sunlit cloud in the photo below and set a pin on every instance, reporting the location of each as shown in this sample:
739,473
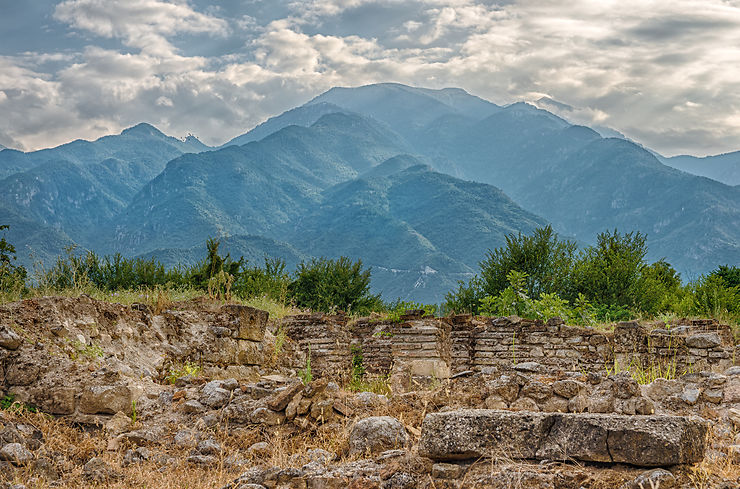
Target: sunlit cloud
666,74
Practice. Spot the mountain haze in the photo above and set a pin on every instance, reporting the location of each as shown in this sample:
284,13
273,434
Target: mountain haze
724,168
418,183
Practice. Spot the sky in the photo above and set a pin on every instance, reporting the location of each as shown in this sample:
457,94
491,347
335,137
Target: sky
664,73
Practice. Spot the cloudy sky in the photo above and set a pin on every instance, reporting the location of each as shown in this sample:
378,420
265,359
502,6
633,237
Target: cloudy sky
665,73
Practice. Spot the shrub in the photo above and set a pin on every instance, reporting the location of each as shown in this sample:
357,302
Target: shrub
513,300
395,309
729,275
271,281
329,285
545,260
467,298
712,297
12,277
610,272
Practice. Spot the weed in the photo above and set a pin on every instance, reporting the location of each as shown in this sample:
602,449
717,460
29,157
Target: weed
358,369
305,373
133,412
87,352
186,369
158,299
8,403
646,375
280,336
383,334
379,384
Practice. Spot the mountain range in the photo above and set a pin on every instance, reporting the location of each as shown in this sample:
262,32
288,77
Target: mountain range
417,183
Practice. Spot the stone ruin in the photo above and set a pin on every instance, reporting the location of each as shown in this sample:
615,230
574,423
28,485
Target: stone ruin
553,402
442,347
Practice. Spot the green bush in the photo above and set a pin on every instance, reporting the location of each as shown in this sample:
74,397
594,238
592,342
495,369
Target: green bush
395,309
545,260
729,275
467,298
271,281
713,298
609,273
12,277
513,300
330,285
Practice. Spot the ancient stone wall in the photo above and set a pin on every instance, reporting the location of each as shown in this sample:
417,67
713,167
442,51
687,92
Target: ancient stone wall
325,337
81,357
440,347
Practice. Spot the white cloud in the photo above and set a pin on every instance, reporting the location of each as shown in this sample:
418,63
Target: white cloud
144,24
665,73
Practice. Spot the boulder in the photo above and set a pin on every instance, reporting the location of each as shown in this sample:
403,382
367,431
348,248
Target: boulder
106,399
376,434
16,454
9,339
214,395
260,449
282,398
649,441
567,388
97,470
658,478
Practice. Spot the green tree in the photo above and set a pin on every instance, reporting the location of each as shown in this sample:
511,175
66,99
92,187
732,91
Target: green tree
467,297
730,275
327,285
213,266
546,260
12,277
712,297
659,287
610,272
271,281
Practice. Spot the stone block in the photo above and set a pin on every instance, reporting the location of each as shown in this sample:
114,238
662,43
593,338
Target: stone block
106,399
649,441
9,339
251,322
703,340
249,353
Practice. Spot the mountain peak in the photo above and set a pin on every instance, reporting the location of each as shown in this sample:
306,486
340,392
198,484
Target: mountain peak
142,129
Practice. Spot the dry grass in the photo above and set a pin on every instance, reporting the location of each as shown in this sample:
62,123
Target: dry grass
73,446
157,298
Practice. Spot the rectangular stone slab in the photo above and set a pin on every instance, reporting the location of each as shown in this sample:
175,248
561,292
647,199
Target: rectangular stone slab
647,441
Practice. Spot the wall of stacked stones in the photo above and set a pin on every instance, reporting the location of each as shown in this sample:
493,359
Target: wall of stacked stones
74,356
441,347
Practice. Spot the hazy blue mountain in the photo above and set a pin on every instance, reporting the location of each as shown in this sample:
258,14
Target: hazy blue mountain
334,177
304,116
724,168
421,231
407,110
254,189
78,187
35,243
142,144
567,111
569,175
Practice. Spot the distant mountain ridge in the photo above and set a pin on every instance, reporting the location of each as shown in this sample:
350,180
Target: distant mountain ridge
418,183
724,168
